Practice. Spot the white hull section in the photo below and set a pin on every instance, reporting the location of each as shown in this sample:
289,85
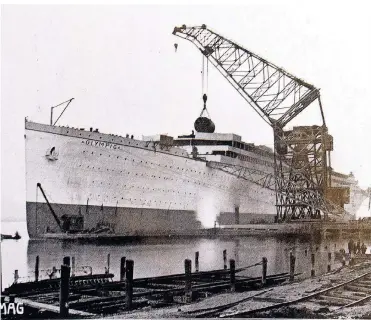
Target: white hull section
86,169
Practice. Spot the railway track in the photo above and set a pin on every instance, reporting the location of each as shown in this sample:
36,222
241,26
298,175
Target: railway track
346,294
216,311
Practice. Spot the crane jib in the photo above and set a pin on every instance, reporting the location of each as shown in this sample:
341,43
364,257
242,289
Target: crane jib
271,88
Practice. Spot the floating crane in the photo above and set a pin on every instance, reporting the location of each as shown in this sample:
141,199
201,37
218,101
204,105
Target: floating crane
302,160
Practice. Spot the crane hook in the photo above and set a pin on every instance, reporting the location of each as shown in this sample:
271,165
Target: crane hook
175,46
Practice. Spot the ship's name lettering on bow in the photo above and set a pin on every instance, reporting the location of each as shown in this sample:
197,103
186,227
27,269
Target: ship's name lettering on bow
102,144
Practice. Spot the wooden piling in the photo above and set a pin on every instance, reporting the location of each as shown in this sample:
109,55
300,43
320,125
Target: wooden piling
188,280
129,283
292,266
197,255
225,259
16,276
37,264
264,270
312,269
232,268
72,266
67,261
329,262
64,291
122,268
11,298
108,263
237,215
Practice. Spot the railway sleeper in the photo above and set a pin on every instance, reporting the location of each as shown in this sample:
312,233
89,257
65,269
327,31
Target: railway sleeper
365,284
344,294
358,294
354,287
334,300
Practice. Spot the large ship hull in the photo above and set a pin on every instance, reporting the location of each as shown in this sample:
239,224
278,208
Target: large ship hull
133,187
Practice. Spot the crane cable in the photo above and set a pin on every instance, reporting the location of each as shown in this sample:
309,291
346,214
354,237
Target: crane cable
207,75
205,79
203,75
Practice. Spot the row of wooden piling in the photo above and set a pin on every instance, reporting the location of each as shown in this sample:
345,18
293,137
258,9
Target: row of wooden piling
70,261
127,272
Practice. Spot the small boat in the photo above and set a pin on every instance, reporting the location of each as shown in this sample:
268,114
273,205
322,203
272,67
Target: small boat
8,236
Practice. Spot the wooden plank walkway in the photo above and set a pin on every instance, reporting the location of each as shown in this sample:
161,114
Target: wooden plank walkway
50,307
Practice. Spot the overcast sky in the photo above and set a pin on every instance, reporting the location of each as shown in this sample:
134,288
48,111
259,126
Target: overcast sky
119,64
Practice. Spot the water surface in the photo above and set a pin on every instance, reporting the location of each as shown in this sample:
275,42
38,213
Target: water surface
165,256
